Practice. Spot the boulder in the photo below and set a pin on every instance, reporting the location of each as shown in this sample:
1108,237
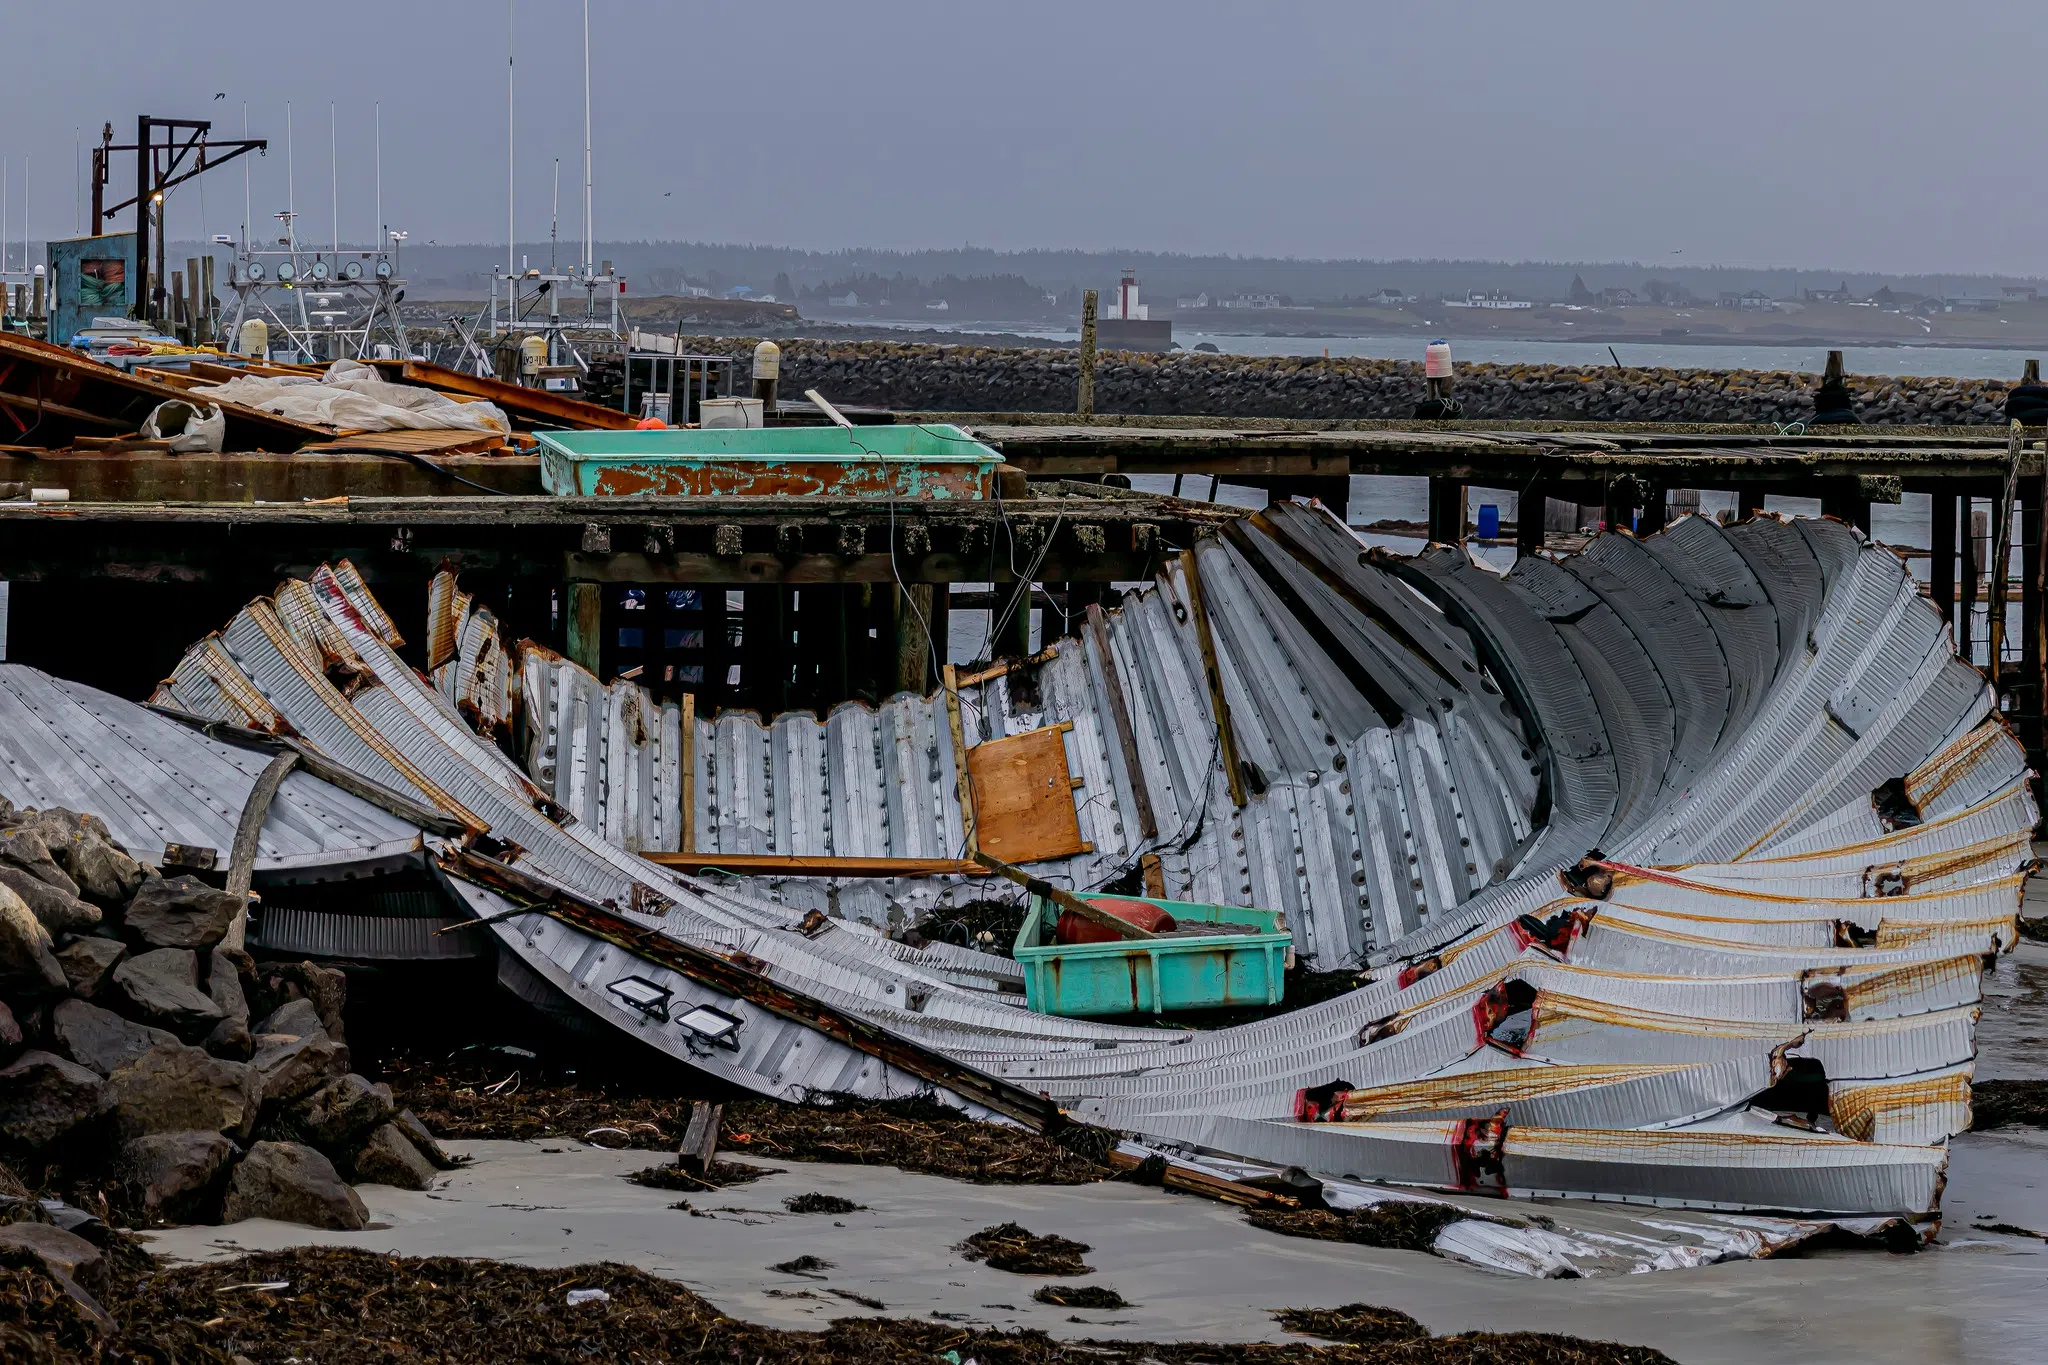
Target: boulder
292,1068
23,847
388,1157
175,1177
230,1037
293,1183
162,986
10,1033
335,1117
28,966
59,913
86,849
175,1088
422,1138
78,1267
100,1040
45,1099
281,982
86,962
297,1018
180,912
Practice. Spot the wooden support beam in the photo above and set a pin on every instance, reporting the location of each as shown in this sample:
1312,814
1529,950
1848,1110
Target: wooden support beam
1530,510
689,764
1012,636
700,1139
1126,734
1219,705
1966,598
963,785
586,626
1996,581
1941,574
914,647
1084,398
1447,511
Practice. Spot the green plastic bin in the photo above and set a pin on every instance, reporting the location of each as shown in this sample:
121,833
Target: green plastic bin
1171,972
930,461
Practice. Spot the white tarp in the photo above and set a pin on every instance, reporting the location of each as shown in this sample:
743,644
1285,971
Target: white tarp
353,397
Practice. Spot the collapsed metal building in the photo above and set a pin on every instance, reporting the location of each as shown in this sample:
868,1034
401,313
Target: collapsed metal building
1675,865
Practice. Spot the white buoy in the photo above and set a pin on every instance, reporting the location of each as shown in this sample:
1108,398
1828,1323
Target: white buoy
1436,360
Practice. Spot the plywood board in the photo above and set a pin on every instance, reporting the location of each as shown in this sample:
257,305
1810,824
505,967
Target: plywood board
1024,797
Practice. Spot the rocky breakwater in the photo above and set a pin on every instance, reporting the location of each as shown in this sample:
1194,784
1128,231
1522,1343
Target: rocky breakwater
150,1074
939,378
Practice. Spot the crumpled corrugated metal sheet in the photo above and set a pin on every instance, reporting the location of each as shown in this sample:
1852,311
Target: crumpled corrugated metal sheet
156,782
1360,826
1525,1035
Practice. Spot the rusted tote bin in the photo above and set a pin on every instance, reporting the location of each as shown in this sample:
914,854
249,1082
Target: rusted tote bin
1213,956
931,461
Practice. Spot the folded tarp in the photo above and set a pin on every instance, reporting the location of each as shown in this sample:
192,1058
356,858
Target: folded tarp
353,396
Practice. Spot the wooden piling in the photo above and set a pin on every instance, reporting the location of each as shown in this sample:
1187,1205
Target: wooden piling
1084,404
1966,597
1447,511
1941,573
586,625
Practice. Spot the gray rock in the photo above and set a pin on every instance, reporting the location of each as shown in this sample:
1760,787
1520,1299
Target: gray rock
100,1040
388,1157
45,1099
292,1068
10,1033
28,966
420,1136
175,1177
180,912
86,962
87,851
163,987
175,1088
24,847
293,1183
326,987
335,1117
295,1017
231,1036
59,913
78,1267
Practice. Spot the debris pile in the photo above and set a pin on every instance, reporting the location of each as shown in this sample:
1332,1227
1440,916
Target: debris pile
155,1066
324,1304
1015,1248
911,1133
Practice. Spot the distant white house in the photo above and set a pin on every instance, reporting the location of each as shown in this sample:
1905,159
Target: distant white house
1198,301
847,300
1488,298
1253,301
1750,301
938,306
1617,298
695,291
1388,298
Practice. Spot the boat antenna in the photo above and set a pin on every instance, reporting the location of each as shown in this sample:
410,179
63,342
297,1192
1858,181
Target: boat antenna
589,242
377,115
291,184
333,183
555,217
248,204
510,238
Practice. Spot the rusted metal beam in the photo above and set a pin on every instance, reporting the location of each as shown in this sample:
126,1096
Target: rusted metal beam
734,976
535,406
258,476
801,865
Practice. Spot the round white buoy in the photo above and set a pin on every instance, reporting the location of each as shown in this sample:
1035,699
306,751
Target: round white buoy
1436,360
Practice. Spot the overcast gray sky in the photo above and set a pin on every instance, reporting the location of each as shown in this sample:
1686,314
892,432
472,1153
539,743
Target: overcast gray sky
1876,135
